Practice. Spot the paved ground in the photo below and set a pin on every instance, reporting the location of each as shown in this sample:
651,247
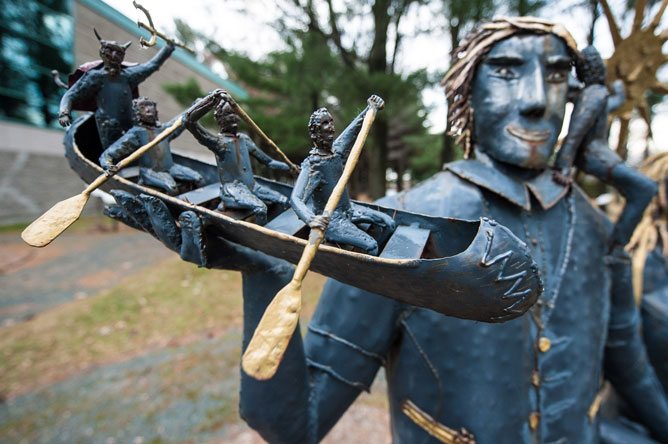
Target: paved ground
75,265
185,392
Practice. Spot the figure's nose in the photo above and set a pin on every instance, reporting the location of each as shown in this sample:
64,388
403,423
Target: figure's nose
532,94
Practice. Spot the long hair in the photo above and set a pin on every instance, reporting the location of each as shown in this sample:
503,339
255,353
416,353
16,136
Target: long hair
473,49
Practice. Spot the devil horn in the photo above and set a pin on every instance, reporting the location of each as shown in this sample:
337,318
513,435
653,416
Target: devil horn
126,45
97,35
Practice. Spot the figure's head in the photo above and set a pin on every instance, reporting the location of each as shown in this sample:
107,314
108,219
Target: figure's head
591,70
144,111
321,129
111,53
226,118
508,87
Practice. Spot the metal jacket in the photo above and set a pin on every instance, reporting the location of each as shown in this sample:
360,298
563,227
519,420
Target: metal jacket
534,379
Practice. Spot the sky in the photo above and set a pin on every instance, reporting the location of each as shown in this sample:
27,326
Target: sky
247,26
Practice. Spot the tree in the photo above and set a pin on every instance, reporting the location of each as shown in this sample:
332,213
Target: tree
318,69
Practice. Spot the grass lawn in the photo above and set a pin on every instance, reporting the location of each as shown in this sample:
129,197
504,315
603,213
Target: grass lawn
171,303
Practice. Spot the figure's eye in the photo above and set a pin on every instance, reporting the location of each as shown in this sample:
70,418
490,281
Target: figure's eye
557,77
504,72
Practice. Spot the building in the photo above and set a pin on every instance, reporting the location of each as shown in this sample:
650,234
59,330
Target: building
38,36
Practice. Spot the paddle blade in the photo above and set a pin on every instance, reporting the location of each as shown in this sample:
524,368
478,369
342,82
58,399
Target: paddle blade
56,220
273,333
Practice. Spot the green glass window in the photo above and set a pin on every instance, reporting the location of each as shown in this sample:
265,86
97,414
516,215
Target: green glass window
36,37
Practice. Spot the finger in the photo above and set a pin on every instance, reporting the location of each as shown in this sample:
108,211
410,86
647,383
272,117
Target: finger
193,241
133,209
116,212
162,221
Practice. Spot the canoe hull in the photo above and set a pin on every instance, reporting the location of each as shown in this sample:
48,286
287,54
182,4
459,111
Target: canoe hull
468,277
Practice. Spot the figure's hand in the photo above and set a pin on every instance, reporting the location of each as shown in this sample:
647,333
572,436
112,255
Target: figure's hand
376,102
65,119
320,222
191,237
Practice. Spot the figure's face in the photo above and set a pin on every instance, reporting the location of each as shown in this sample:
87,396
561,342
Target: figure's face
324,133
519,98
228,123
148,112
112,55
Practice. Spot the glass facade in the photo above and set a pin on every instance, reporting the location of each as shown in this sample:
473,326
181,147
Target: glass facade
36,37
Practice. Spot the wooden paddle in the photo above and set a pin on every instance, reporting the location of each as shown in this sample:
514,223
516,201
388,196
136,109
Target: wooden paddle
63,214
273,333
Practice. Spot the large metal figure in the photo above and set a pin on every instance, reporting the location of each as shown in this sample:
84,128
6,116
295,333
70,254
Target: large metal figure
319,174
156,167
534,379
108,87
232,149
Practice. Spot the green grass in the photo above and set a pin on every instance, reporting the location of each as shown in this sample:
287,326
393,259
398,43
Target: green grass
174,301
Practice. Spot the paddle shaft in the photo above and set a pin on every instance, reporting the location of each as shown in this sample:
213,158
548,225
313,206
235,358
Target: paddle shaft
134,156
261,133
272,334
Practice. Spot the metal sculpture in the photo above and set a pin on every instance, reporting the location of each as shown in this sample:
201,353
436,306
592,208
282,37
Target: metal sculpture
156,167
239,190
272,335
107,87
587,143
533,378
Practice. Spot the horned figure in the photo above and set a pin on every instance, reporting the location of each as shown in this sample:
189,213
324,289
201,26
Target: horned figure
107,87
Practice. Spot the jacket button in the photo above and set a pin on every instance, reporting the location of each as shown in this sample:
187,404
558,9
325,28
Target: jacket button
544,344
534,419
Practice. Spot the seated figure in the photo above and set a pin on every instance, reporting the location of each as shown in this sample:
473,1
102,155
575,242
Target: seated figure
156,166
238,191
319,174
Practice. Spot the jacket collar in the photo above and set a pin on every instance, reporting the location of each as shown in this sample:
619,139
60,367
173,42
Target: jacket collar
544,189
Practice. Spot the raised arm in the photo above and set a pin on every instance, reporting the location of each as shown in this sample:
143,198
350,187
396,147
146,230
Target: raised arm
344,143
196,112
86,87
139,73
122,148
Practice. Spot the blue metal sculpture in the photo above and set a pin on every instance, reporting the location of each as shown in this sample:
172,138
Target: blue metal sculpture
238,190
587,142
108,87
533,379
320,172
156,167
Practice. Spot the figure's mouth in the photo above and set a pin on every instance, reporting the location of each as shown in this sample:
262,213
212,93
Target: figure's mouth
528,136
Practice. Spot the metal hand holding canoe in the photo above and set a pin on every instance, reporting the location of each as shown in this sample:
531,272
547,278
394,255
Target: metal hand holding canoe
58,218
273,333
154,33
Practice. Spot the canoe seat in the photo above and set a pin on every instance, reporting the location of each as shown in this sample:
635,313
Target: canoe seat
407,242
202,195
287,223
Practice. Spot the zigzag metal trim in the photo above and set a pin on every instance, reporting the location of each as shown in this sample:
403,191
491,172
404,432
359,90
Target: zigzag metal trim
517,277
